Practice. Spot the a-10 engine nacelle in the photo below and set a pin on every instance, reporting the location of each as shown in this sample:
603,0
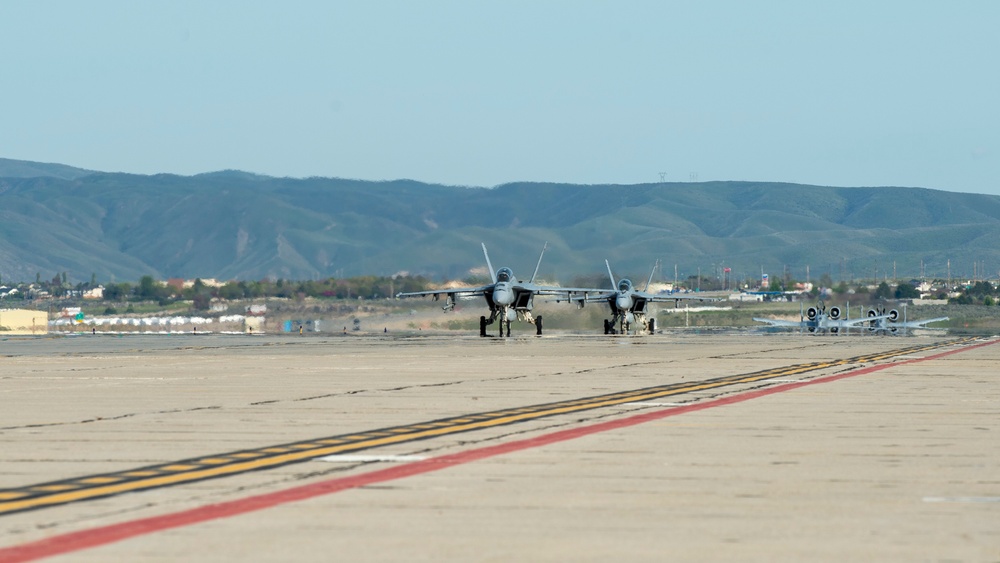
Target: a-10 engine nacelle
834,313
811,313
893,314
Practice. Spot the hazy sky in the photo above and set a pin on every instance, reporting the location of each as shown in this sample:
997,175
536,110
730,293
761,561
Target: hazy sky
900,93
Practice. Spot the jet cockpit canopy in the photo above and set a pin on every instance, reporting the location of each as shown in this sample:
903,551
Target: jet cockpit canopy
625,285
505,275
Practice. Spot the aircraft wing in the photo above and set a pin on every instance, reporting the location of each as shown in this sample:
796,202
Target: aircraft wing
591,295
585,295
918,324
778,322
450,292
859,321
567,293
661,297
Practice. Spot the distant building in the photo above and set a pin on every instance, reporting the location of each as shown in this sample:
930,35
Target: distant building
257,310
254,324
23,321
94,293
207,282
36,292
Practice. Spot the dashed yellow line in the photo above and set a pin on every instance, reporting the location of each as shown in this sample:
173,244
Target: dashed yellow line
185,471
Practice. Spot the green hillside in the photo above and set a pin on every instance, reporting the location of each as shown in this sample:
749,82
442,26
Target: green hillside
26,169
236,225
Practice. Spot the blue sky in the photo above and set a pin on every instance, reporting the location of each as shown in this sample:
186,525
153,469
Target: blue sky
901,93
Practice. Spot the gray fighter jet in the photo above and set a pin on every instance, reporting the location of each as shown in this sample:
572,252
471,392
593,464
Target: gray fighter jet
628,305
507,297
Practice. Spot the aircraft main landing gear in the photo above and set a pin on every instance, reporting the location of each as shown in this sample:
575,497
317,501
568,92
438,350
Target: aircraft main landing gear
538,325
482,327
652,326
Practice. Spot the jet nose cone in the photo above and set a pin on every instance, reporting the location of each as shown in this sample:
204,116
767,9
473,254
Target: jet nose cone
502,295
624,302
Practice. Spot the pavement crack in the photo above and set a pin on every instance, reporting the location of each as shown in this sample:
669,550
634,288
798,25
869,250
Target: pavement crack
105,418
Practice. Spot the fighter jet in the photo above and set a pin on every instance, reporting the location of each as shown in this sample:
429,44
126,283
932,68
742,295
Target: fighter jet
628,305
818,318
507,298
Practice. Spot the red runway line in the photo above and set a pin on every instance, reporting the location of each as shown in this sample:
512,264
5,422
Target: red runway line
76,541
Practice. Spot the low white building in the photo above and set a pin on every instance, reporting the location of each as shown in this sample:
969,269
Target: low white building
94,293
23,321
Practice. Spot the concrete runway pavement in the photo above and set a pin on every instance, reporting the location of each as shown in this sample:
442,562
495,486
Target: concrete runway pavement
859,457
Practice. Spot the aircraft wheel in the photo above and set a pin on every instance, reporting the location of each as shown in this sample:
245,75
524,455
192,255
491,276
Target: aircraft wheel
538,325
508,327
482,327
652,326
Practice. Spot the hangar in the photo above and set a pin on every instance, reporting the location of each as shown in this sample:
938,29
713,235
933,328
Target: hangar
23,321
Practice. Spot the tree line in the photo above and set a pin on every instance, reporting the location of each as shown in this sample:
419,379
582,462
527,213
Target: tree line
150,289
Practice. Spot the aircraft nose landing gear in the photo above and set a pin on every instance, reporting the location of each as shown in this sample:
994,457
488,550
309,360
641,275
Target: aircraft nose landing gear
483,322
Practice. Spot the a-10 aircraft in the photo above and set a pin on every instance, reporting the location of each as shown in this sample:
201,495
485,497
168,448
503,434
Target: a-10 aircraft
628,305
507,298
890,321
818,318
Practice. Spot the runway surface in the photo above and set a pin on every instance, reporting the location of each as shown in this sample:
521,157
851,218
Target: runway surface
684,446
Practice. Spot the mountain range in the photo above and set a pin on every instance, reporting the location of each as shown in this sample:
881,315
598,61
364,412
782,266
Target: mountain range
237,225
